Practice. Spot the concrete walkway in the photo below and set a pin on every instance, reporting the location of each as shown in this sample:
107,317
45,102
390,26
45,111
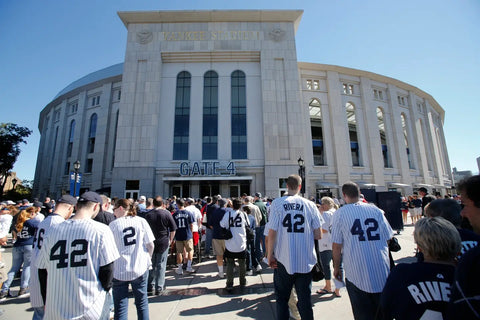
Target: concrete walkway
202,295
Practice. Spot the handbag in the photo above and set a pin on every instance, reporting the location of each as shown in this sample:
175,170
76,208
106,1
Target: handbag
248,229
393,245
227,233
317,272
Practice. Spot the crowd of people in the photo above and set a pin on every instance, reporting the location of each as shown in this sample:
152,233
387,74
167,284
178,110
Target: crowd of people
75,254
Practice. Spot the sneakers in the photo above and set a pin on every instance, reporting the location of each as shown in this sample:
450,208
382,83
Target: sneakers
258,268
23,292
190,270
265,260
4,295
150,291
229,287
221,275
179,270
250,273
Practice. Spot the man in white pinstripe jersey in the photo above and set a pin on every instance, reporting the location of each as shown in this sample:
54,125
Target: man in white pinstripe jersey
294,223
63,210
76,265
362,231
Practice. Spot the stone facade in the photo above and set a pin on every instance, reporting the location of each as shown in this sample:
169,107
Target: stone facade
134,138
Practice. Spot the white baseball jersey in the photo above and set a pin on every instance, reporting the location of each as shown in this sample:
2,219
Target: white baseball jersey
131,234
197,215
34,284
294,219
73,253
363,231
236,220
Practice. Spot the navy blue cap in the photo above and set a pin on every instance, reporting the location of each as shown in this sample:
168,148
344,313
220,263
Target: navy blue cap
90,196
68,199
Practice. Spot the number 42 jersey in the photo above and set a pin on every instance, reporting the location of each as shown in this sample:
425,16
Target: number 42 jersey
73,253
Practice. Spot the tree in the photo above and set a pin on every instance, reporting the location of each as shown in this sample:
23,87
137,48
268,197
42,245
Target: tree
11,135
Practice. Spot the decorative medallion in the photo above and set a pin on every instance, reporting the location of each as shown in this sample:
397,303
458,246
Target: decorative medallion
276,34
144,36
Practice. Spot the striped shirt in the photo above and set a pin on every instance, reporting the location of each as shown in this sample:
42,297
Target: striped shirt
131,234
294,219
73,253
363,231
235,221
35,296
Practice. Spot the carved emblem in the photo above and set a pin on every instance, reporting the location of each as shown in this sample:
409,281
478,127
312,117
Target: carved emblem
276,34
144,36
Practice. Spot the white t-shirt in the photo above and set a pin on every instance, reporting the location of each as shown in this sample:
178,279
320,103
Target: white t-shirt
363,231
236,220
197,215
294,219
325,243
132,234
5,223
72,253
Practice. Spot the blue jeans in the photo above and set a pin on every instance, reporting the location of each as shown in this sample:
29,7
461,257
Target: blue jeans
38,313
364,304
283,283
259,240
325,258
120,297
252,261
156,276
20,255
208,241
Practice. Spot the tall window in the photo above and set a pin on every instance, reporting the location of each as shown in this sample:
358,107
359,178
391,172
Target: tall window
182,116
239,116
92,133
405,136
115,139
317,132
352,134
383,137
210,115
70,138
54,151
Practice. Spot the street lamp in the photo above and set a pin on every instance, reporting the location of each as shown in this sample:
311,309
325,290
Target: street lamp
14,182
301,173
76,167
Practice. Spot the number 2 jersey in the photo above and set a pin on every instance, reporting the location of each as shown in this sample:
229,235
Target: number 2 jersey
363,231
132,234
73,253
294,219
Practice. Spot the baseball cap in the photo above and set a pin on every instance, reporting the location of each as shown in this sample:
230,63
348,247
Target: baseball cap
190,200
38,204
68,199
258,194
90,196
423,189
25,201
143,198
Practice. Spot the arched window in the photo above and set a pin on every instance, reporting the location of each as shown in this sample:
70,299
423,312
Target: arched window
383,137
239,115
92,133
70,138
352,134
317,132
405,137
182,116
210,116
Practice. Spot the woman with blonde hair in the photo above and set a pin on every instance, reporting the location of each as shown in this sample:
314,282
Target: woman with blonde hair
134,239
22,252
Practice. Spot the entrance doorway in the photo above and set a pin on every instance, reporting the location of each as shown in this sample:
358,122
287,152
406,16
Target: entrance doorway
209,188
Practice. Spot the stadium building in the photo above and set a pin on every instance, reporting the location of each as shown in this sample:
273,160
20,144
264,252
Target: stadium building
215,102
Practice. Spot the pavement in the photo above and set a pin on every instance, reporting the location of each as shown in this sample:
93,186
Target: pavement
202,295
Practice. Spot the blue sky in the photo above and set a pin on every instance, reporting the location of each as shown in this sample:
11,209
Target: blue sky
433,45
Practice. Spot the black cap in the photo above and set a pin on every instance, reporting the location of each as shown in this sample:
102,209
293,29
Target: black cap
38,204
90,196
68,199
258,194
423,189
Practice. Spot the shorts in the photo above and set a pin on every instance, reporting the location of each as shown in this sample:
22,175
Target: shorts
195,238
187,244
417,212
218,247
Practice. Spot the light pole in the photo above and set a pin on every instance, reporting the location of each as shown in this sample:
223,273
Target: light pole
76,167
301,173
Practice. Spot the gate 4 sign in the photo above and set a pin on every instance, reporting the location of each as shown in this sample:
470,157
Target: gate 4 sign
207,168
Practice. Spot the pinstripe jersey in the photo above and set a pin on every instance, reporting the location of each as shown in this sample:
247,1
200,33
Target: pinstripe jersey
294,219
131,234
363,231
35,296
73,253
